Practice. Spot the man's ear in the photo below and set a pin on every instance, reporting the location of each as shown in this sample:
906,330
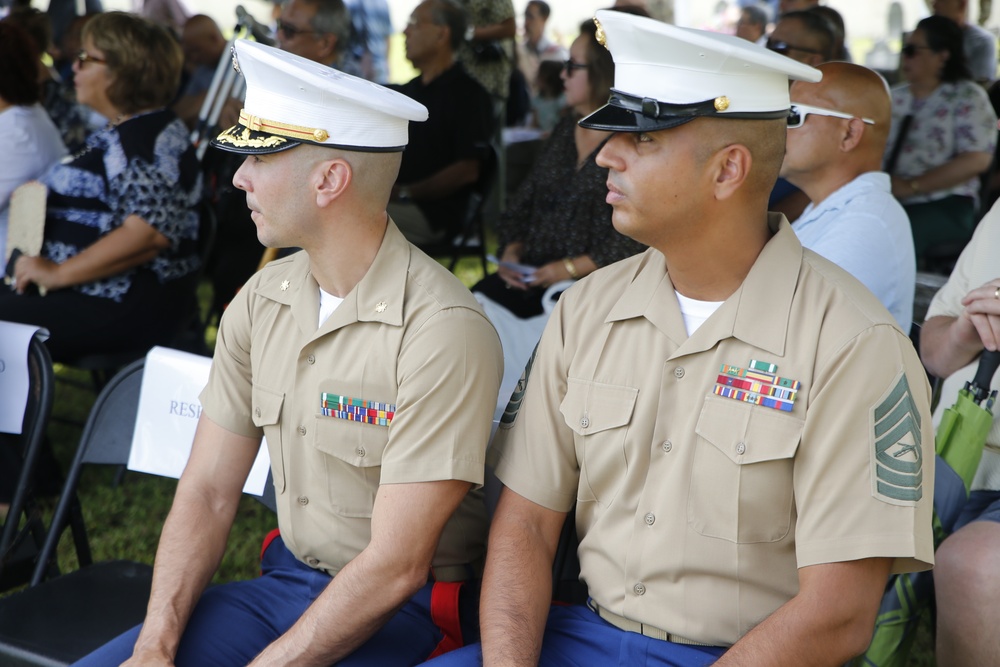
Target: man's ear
731,169
852,136
332,178
327,46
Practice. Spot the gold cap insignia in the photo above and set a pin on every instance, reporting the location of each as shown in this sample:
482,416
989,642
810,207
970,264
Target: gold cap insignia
721,103
321,135
258,124
241,139
601,38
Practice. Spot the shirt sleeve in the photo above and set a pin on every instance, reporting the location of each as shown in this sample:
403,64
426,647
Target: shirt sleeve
449,376
533,453
975,121
881,457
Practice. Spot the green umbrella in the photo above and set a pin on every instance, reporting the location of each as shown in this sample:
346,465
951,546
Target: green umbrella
958,443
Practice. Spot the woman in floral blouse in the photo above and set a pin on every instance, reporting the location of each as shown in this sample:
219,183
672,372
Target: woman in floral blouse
949,140
119,258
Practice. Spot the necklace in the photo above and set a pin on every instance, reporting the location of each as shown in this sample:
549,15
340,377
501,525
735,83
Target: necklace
89,146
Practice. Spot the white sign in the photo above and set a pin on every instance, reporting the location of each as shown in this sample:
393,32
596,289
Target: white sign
14,380
168,415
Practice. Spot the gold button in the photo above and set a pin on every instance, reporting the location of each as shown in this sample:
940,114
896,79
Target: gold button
721,103
302,430
303,501
321,135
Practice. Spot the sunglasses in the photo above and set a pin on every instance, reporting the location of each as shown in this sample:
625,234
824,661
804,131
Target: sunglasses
569,66
83,58
910,50
783,48
798,113
291,32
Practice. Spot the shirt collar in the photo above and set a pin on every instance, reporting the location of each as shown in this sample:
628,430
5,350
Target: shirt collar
842,196
756,313
378,297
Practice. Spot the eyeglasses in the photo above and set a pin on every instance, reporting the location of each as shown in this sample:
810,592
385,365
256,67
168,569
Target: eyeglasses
783,48
910,50
83,58
291,32
569,66
798,113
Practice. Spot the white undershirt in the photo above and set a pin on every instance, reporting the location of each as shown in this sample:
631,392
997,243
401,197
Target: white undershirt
327,304
695,312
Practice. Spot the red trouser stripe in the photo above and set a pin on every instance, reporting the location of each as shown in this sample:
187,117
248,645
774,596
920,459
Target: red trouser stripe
270,537
444,613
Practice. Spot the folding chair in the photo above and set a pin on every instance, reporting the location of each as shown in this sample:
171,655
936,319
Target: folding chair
19,544
59,620
71,615
471,238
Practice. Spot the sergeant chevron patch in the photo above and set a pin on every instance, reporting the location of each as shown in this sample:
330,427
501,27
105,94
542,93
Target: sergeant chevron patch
896,458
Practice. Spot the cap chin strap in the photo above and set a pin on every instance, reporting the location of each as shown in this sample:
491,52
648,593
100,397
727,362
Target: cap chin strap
715,107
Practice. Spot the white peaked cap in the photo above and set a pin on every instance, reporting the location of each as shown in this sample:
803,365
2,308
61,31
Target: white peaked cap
292,100
666,76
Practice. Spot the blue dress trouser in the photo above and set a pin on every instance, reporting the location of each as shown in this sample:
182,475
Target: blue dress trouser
575,636
234,622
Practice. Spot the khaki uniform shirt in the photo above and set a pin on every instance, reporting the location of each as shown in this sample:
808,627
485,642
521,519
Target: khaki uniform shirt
409,336
976,266
694,510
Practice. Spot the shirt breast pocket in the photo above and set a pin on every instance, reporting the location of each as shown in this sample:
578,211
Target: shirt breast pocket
741,478
353,461
267,405
599,415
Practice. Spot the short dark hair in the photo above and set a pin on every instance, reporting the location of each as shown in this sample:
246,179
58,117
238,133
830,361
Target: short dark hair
816,25
543,7
143,58
332,18
38,26
755,15
451,14
19,74
943,34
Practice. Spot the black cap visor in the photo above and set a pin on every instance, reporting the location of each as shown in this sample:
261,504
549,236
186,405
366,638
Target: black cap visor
629,113
241,139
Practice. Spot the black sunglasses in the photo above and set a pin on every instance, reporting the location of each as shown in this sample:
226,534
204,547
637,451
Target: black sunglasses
910,50
783,48
570,65
291,31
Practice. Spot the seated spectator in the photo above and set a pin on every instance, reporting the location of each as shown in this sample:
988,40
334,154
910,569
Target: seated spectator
978,44
319,30
963,320
171,14
536,48
752,24
58,94
370,33
836,21
29,142
808,38
935,158
836,139
444,156
203,46
558,220
549,102
121,227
